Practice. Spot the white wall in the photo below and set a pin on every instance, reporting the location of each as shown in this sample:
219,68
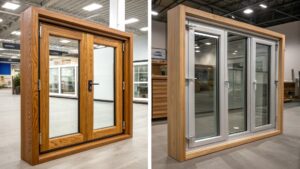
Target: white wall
140,47
159,35
292,51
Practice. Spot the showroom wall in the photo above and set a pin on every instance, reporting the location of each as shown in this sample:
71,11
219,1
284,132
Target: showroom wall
159,35
140,47
292,51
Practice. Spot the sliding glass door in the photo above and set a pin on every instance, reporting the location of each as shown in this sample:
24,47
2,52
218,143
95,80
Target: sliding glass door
204,90
263,84
230,84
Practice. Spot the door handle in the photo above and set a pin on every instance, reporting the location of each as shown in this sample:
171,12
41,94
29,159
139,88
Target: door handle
254,84
91,84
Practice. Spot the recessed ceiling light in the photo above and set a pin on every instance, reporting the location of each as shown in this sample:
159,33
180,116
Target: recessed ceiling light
248,11
207,43
11,6
263,6
234,53
14,57
64,41
92,7
197,47
144,29
18,33
154,13
1,20
233,17
131,20
197,51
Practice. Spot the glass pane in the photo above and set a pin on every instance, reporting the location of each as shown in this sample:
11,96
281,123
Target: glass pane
104,102
206,86
54,80
64,54
141,90
68,80
262,109
237,78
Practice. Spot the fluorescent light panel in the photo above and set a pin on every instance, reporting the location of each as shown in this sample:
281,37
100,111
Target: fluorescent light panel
1,20
263,6
92,7
206,35
131,20
144,29
10,6
64,41
18,33
154,13
248,11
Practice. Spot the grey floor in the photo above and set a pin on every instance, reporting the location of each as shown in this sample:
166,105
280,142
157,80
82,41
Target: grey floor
279,152
127,154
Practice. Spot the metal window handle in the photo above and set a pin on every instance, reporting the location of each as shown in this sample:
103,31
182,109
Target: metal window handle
227,84
254,84
91,84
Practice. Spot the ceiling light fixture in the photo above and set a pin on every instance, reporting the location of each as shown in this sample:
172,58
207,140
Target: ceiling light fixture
233,17
1,20
263,6
248,11
92,7
64,41
18,33
144,29
197,47
10,6
207,43
197,51
131,20
154,13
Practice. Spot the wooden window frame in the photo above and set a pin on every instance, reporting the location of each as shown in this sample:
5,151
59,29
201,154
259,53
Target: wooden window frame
30,139
176,81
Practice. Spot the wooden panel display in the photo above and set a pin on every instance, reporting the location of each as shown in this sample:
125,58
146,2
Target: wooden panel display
176,81
31,19
159,96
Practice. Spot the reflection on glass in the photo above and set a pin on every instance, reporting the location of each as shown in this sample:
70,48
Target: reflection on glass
63,110
68,80
237,73
104,95
53,80
262,75
141,81
206,86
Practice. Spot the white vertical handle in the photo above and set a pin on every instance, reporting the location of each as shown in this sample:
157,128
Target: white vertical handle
254,84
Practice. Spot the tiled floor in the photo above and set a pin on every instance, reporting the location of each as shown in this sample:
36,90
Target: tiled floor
127,154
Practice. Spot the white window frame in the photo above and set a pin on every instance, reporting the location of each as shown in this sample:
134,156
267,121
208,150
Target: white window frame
134,82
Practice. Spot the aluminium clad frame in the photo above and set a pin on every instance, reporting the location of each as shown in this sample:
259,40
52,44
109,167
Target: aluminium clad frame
176,81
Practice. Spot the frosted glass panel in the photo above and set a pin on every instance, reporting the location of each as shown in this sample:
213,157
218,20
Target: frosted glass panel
104,110
63,107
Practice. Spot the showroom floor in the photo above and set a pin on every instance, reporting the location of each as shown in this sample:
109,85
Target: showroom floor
279,152
129,153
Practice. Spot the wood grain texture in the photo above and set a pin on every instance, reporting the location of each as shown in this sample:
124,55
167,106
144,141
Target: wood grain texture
176,87
176,83
159,97
30,20
48,143
29,87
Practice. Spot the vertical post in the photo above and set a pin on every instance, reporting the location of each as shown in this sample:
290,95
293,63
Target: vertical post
117,14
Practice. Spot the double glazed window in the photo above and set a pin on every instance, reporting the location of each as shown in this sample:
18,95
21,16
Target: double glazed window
230,84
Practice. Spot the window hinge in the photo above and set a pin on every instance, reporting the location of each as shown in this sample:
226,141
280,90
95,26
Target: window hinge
123,125
40,136
123,47
123,85
39,84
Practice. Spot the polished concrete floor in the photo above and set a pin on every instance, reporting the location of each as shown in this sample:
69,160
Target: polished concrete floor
279,152
127,154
